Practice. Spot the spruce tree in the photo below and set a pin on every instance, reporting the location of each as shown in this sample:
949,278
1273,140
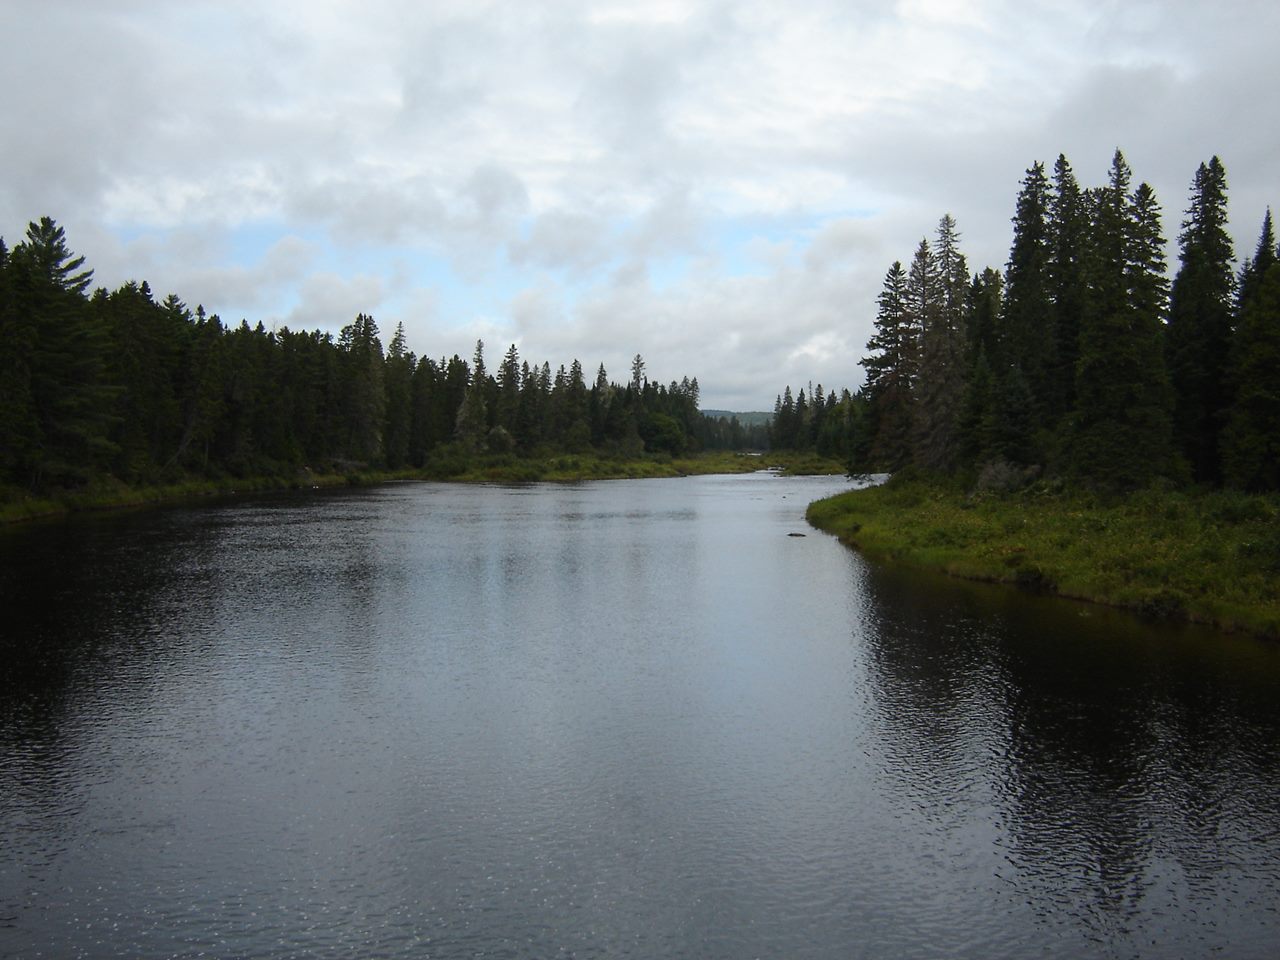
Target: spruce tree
1068,237
1200,322
982,310
59,400
977,412
509,383
19,432
1122,435
1028,336
984,299
1010,426
1255,268
397,428
364,398
940,381
427,429
472,422
891,368
1251,439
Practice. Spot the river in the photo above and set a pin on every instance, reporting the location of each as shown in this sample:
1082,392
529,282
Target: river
620,719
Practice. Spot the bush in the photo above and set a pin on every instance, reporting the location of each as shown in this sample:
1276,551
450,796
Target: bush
1001,476
1262,551
1231,506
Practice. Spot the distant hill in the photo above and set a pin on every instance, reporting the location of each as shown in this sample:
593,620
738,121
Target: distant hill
751,418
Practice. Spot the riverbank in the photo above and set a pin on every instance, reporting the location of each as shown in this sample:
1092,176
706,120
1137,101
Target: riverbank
1206,557
17,506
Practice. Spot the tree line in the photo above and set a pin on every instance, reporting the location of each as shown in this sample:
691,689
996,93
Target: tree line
121,384
1080,360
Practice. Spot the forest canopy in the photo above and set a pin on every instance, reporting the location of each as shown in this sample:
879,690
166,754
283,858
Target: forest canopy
146,391
1080,360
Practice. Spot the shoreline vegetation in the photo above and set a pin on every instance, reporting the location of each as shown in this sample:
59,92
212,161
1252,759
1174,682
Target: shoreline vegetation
17,506
1209,557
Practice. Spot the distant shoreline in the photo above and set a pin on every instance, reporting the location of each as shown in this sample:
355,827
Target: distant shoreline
559,468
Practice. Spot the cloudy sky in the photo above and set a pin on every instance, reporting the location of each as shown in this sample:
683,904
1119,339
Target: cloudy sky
718,186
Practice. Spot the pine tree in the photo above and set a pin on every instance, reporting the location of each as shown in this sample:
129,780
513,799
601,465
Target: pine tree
472,422
364,398
1200,321
1122,434
1028,337
19,431
1251,439
576,395
58,400
982,308
1011,424
599,402
1067,242
977,412
1255,269
783,429
398,378
984,299
147,343
509,384
891,369
940,382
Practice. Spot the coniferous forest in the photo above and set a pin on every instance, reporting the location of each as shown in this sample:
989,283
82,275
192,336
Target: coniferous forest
119,384
1080,361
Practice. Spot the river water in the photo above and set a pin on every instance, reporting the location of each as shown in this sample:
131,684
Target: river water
621,719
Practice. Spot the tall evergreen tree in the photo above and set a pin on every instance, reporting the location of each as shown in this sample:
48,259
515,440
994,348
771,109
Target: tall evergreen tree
1028,337
891,369
1067,241
982,310
19,432
984,299
472,421
1200,322
147,344
509,383
364,398
1251,439
1255,268
397,429
940,382
1122,434
59,398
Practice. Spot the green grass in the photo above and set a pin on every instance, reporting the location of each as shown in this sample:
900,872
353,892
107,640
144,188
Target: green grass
805,464
572,467
1207,557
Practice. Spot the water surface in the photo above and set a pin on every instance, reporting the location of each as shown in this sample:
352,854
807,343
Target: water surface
630,718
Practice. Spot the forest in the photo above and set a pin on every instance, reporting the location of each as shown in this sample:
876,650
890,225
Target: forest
1080,362
119,384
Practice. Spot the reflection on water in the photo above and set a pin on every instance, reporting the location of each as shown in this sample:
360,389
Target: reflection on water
1130,772
622,719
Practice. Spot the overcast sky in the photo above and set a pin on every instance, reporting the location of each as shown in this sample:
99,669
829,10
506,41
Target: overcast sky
718,186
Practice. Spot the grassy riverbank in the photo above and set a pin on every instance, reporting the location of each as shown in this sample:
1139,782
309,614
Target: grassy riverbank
17,506
1207,557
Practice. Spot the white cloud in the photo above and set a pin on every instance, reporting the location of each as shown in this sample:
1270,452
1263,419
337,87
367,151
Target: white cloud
575,150
329,301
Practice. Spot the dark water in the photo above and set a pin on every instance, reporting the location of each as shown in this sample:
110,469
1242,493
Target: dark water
629,719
